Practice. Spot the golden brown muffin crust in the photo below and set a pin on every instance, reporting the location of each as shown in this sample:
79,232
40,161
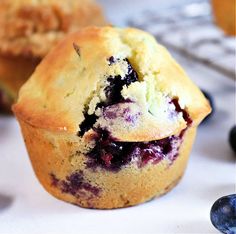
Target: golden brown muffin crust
52,159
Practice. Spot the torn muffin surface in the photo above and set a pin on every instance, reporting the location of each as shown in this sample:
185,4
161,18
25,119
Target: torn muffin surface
105,114
126,86
111,154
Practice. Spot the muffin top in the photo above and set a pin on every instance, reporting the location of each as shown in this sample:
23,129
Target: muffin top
31,27
120,80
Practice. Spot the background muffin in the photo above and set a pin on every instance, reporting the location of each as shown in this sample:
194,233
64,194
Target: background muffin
224,13
29,29
111,128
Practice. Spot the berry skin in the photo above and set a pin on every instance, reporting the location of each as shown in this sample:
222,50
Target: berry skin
232,138
223,214
209,97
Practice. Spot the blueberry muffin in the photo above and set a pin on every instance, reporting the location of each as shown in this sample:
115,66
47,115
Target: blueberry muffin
29,29
224,14
14,70
109,118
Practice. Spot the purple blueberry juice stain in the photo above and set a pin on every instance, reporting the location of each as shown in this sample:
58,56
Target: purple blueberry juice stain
109,113
54,180
122,111
178,109
112,93
111,155
76,185
131,118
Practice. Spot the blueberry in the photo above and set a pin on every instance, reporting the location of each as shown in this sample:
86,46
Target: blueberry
115,148
112,92
211,101
74,184
89,121
111,60
232,138
223,214
185,114
110,154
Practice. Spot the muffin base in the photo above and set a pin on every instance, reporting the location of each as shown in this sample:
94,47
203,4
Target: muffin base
55,158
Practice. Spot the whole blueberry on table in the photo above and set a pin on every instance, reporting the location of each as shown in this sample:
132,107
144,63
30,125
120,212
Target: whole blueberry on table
232,138
223,214
211,101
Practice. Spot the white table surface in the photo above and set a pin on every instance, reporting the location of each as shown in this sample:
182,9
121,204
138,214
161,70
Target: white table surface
25,208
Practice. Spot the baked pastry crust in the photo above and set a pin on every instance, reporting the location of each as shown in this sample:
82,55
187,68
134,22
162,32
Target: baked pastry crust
155,108
31,28
40,105
52,154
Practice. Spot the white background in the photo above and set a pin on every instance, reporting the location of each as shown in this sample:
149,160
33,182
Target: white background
26,208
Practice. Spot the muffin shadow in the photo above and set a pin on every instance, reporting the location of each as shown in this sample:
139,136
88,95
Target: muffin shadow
215,192
222,153
5,125
197,226
5,202
213,145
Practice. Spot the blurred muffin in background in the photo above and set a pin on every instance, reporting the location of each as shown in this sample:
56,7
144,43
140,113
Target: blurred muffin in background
224,13
28,31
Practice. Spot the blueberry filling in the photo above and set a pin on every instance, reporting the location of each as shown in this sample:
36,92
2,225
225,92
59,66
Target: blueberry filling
185,114
112,93
113,90
112,155
89,121
75,185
